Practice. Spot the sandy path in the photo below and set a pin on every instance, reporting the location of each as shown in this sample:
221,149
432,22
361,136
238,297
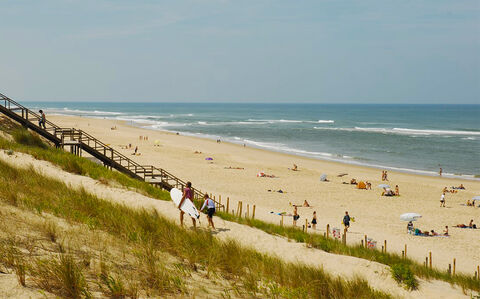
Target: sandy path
376,274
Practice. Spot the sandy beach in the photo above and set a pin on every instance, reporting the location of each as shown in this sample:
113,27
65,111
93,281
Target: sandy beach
375,216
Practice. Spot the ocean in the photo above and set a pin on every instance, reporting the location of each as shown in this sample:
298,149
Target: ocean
410,138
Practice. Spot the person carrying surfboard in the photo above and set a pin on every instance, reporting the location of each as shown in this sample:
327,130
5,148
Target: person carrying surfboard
210,204
187,193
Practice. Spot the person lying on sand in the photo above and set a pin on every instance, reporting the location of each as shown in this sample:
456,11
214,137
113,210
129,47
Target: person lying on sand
445,190
461,187
197,152
368,186
230,167
387,192
470,225
279,191
353,182
342,174
433,233
294,168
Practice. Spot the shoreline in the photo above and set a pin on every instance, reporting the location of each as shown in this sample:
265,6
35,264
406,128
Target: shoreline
422,172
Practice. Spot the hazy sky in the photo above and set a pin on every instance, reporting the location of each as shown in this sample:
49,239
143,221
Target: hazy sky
219,50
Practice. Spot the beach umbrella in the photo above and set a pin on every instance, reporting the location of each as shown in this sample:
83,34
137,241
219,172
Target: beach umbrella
323,177
410,217
157,141
209,159
383,186
476,197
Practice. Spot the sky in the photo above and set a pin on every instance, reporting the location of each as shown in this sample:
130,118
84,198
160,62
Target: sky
318,51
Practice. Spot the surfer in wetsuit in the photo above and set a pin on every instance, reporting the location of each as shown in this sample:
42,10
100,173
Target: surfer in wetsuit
187,193
210,204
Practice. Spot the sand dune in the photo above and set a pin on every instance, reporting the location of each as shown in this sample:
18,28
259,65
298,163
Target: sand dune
376,216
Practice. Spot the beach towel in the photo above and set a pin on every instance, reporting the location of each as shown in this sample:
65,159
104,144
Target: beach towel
361,185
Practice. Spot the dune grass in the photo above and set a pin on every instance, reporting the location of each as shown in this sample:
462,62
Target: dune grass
257,273
334,246
30,143
83,166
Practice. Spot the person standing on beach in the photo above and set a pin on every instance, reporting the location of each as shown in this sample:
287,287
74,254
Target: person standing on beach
440,171
187,194
295,216
42,120
442,200
314,220
210,204
346,220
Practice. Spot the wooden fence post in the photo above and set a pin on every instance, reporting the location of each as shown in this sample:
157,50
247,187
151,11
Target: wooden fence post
385,242
366,241
454,265
253,212
306,225
328,230
449,269
430,255
241,204
281,222
248,210
228,203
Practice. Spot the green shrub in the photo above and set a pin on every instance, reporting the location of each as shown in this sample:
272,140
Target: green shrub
25,137
403,274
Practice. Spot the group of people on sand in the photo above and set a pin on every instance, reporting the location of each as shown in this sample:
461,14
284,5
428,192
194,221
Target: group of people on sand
419,232
313,223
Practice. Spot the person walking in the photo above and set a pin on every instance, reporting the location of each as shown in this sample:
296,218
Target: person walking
346,221
442,200
187,194
210,205
42,120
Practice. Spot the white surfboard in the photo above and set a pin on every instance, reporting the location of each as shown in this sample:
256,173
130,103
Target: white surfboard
187,206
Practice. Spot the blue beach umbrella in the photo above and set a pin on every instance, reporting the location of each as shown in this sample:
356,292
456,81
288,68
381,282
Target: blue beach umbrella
209,159
383,186
476,197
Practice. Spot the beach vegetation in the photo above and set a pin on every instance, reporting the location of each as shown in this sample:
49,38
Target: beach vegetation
404,275
27,138
250,270
314,240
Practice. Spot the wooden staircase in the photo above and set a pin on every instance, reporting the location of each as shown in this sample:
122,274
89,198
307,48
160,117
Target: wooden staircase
78,140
